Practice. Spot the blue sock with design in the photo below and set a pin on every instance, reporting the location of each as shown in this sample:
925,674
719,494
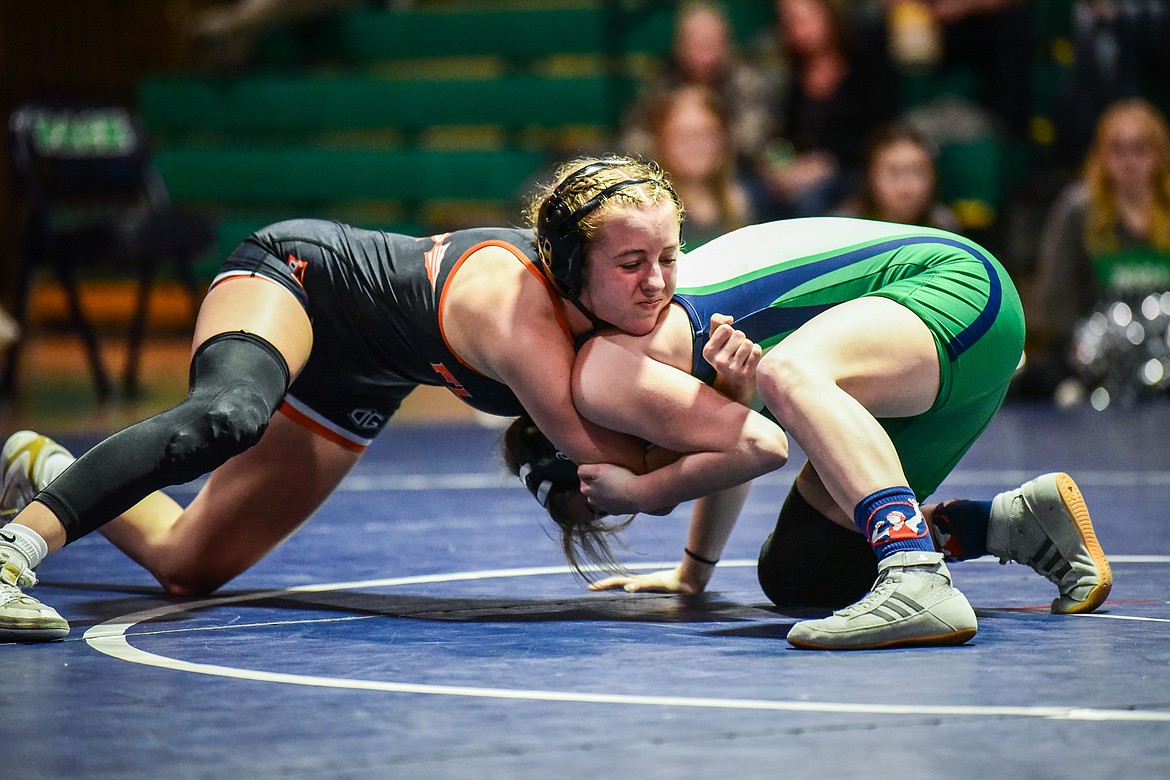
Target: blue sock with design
960,529
891,520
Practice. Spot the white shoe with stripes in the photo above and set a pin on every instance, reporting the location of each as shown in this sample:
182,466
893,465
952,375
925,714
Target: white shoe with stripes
23,618
912,603
28,462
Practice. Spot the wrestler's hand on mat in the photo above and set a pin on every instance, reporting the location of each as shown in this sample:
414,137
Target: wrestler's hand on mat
667,581
734,357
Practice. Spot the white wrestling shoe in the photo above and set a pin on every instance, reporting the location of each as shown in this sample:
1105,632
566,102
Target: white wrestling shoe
912,603
28,462
23,618
1045,524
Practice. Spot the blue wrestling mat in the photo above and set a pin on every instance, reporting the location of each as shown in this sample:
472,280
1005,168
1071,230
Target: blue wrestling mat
423,625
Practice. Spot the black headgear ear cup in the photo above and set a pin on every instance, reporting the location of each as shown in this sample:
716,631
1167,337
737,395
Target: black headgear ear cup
543,468
558,230
561,245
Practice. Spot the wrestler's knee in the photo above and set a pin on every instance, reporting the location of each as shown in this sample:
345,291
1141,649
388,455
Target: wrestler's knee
184,576
784,378
237,381
810,561
220,428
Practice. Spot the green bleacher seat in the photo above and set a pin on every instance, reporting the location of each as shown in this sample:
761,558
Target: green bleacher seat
341,117
971,179
1051,19
301,103
372,35
919,89
302,177
517,34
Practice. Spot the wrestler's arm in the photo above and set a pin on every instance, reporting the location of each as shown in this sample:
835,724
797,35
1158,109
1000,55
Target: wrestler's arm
499,318
723,442
538,365
715,514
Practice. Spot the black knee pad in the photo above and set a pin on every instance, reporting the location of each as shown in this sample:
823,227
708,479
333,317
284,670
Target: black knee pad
234,392
237,381
810,561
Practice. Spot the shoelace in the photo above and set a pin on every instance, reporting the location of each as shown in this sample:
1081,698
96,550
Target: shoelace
9,594
875,594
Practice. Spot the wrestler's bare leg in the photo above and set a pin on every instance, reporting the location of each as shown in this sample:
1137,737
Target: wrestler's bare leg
829,381
247,507
251,304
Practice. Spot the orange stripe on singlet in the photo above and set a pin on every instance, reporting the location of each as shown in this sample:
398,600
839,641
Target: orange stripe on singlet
552,294
301,419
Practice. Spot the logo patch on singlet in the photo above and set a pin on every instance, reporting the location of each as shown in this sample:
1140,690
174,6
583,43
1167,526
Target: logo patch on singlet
367,419
452,383
433,257
297,268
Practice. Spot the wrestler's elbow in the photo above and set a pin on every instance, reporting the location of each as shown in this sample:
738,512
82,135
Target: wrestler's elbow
767,446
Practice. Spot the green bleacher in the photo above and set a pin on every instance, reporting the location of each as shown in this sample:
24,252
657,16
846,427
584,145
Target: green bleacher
516,32
284,104
307,177
387,116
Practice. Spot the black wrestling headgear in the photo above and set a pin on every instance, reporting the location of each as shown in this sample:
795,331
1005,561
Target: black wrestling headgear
558,227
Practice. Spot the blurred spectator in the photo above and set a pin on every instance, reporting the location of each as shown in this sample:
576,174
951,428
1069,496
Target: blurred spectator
1120,50
692,142
839,93
899,181
1107,237
703,54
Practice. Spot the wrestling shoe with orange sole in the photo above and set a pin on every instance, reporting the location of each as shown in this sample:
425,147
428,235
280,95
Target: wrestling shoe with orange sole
1045,524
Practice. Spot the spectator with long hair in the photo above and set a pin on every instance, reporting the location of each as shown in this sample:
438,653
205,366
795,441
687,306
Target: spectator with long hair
703,54
839,93
692,143
1106,237
900,181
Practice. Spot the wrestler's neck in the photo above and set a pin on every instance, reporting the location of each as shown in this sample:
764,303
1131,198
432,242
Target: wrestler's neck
579,323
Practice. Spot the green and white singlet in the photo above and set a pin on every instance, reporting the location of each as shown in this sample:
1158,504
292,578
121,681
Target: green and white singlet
773,278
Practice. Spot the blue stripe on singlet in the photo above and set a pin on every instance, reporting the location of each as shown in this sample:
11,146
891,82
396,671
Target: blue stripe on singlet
765,321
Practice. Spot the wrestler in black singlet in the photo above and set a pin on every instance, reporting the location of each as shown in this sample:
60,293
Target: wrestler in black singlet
373,299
